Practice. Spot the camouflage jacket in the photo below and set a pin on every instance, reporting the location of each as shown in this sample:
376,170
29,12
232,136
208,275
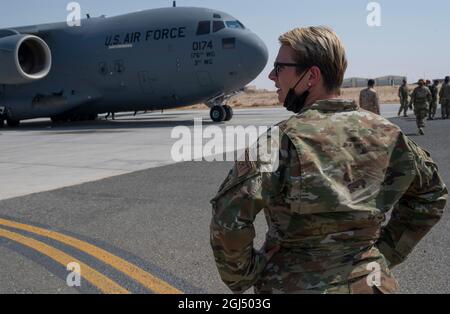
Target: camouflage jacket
368,100
403,93
341,170
434,93
444,93
421,97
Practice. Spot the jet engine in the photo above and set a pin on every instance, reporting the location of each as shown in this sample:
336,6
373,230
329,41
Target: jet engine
23,59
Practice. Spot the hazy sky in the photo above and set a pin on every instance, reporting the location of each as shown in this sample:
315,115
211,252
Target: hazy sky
412,39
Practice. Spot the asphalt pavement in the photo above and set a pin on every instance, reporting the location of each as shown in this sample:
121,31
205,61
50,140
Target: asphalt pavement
147,231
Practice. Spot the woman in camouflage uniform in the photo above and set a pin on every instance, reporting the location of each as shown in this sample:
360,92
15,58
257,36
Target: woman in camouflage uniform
340,171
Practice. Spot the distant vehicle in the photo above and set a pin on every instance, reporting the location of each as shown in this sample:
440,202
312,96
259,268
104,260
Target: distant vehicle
148,60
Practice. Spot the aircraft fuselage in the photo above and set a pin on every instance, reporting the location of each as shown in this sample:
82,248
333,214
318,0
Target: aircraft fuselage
161,58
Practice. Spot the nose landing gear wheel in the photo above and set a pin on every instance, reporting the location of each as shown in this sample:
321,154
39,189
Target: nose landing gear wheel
217,114
2,123
228,113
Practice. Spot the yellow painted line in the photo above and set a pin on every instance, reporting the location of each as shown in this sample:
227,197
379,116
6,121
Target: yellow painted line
146,279
105,284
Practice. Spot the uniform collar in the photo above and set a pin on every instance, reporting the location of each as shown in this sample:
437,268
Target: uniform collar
333,105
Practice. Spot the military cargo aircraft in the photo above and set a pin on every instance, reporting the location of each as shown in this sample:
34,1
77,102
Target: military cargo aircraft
154,59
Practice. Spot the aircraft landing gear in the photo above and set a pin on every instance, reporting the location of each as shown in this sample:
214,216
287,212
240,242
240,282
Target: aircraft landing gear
221,113
217,114
228,113
2,117
5,115
219,110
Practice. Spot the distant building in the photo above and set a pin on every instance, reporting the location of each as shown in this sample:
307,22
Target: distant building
390,80
355,82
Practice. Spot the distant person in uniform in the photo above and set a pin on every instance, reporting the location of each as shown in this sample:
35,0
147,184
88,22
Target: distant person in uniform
403,94
434,89
340,171
368,98
444,98
421,99
112,114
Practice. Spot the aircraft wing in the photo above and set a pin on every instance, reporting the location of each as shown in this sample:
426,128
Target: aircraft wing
31,29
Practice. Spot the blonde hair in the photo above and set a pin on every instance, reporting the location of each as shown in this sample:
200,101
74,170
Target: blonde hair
319,46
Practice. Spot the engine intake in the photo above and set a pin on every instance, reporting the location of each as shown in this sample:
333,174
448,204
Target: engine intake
23,59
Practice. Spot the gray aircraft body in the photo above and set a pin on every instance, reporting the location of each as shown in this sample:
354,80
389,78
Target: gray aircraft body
154,59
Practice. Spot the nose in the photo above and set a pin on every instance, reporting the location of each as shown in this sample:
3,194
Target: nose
272,75
254,55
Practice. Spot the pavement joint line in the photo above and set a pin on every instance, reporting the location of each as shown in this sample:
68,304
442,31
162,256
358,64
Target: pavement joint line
149,281
103,283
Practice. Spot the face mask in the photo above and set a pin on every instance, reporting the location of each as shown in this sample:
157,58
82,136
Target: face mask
294,102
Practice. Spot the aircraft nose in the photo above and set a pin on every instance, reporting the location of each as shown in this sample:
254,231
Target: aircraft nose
254,56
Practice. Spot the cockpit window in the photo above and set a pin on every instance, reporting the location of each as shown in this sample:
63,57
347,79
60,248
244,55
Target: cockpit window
217,16
218,25
204,27
235,24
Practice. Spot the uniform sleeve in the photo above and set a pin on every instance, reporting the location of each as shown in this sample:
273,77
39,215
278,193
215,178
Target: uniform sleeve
419,208
413,98
243,194
441,93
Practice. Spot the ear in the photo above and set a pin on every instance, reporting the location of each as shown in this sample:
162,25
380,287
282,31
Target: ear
315,76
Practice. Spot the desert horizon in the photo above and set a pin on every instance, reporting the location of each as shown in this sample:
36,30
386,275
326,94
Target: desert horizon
252,97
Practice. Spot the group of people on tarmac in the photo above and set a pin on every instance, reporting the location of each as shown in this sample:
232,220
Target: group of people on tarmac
423,100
